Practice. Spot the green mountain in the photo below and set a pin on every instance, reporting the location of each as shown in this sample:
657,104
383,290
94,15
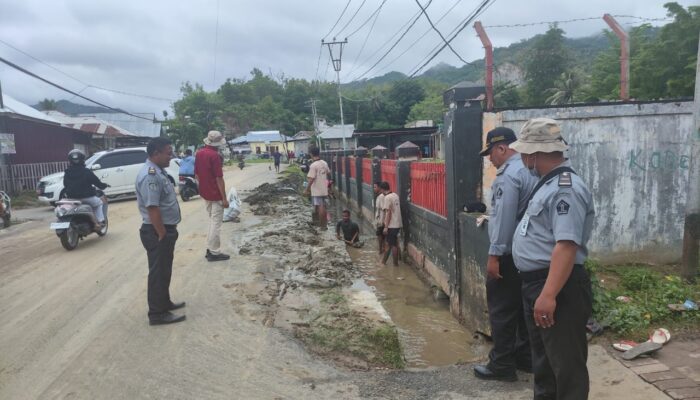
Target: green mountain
583,52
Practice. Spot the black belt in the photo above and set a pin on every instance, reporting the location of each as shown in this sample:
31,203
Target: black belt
541,274
165,225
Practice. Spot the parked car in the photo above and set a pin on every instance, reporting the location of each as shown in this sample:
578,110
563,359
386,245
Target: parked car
117,168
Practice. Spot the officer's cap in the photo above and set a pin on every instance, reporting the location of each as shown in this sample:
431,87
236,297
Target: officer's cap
495,136
540,135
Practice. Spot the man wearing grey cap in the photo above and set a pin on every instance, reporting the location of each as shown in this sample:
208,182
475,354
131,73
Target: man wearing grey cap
549,249
509,195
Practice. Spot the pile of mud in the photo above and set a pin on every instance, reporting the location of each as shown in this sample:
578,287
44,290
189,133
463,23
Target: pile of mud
299,247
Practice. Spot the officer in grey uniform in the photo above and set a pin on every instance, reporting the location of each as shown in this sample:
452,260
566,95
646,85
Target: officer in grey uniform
509,195
160,212
549,249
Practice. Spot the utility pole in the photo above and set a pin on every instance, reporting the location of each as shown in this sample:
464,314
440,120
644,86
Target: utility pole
624,55
312,103
691,229
486,42
336,67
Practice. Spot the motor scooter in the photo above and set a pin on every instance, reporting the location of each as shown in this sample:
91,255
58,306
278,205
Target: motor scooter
5,209
188,187
76,220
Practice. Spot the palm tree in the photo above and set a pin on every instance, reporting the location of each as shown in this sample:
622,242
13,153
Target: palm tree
565,89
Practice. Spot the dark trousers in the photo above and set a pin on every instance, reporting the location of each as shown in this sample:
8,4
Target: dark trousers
560,352
511,344
160,267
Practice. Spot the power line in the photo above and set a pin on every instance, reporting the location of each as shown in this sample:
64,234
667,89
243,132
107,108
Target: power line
395,43
17,67
87,85
376,12
341,16
440,33
482,7
356,67
371,28
351,19
410,47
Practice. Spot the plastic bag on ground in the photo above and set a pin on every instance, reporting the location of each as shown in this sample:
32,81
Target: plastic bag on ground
234,206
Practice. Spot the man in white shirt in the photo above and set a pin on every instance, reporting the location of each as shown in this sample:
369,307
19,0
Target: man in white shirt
318,186
392,222
379,216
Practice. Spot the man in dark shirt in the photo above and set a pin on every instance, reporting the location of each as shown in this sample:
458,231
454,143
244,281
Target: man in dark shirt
277,156
80,182
351,231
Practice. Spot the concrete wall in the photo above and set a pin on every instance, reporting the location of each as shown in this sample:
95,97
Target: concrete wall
368,202
427,231
353,190
635,160
474,246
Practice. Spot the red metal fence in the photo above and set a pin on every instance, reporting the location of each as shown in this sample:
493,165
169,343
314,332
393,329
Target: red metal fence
367,171
353,167
428,187
388,169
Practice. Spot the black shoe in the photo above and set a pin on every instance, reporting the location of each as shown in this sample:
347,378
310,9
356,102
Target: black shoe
216,257
164,319
175,306
483,372
523,367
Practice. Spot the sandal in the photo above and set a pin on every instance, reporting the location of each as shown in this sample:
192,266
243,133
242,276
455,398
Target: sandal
645,348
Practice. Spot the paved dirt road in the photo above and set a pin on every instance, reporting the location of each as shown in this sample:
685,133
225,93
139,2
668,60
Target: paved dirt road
73,325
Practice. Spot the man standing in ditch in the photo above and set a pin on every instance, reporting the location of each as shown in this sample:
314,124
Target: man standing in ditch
318,186
509,195
392,223
379,216
549,249
209,171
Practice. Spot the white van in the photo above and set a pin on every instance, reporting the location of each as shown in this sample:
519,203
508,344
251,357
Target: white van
117,168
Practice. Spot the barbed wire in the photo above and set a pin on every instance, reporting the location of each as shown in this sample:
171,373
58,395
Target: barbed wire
566,21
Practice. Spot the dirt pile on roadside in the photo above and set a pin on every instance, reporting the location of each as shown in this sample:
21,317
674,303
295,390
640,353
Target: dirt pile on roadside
300,279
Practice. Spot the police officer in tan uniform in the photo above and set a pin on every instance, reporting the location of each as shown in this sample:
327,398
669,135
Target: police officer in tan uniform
549,249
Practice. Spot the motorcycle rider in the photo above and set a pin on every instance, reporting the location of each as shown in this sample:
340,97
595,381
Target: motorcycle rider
187,164
80,182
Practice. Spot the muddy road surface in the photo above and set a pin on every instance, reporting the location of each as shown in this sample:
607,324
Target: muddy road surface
73,325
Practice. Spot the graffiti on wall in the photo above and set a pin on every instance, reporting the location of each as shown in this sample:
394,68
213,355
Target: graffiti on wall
658,160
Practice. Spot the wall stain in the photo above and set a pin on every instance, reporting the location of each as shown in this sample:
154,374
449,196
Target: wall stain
658,160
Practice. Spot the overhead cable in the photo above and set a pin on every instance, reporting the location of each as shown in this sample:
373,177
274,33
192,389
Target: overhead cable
338,20
440,33
351,19
373,15
33,75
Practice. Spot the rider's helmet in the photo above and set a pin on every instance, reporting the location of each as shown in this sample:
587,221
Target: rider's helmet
76,157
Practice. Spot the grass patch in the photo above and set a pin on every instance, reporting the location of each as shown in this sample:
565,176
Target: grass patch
650,290
26,199
338,332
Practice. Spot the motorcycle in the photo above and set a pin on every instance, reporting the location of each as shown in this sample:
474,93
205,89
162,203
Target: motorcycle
241,164
5,209
188,187
77,220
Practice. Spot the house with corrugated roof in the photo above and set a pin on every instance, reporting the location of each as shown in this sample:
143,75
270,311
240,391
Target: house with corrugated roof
262,142
332,136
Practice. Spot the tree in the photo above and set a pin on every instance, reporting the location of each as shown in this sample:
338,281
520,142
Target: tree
505,94
401,97
431,108
545,62
48,105
565,89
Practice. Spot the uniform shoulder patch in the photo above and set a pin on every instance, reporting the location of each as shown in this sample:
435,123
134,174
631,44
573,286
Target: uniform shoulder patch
565,179
151,171
562,207
501,170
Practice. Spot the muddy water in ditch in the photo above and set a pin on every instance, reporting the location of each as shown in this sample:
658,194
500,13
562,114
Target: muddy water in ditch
429,334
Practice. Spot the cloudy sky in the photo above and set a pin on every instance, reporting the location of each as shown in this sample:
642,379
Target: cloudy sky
151,47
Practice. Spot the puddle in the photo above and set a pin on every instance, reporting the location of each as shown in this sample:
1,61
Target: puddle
429,334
